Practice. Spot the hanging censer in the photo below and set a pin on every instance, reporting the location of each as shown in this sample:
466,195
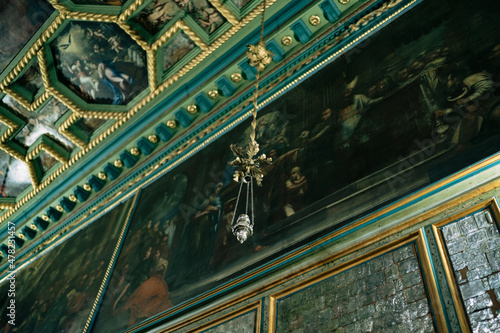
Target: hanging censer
248,165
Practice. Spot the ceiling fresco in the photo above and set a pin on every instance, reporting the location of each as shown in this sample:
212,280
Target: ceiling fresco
160,13
14,176
94,97
20,21
30,84
99,62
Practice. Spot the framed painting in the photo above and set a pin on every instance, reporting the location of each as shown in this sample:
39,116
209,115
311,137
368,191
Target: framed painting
99,62
65,281
412,104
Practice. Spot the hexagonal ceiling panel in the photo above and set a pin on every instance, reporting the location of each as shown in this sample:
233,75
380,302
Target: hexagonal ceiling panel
99,62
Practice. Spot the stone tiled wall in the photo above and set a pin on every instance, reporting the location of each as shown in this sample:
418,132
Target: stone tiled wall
384,293
473,244
242,324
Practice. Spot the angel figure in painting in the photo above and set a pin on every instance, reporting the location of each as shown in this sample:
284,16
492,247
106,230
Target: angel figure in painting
295,189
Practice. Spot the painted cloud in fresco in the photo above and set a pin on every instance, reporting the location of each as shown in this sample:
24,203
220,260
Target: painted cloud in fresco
176,49
41,122
100,63
14,176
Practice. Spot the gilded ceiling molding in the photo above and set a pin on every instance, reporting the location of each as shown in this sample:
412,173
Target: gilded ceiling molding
215,45
12,127
32,51
152,76
24,102
96,17
44,71
32,173
39,101
135,35
194,37
9,150
18,98
228,14
43,146
59,7
63,129
130,10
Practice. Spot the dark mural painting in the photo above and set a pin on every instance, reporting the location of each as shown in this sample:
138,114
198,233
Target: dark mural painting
159,13
100,63
30,83
20,21
56,293
176,49
414,103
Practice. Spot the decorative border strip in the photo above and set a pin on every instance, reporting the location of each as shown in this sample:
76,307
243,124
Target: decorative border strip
256,306
450,276
112,262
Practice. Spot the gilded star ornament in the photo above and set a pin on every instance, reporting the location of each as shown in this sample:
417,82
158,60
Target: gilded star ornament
259,56
249,164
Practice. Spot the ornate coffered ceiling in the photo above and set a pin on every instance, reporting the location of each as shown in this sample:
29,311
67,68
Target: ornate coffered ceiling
104,93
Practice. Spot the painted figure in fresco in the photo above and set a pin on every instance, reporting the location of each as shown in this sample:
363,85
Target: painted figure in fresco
207,220
351,110
295,189
321,132
210,19
88,85
119,83
187,5
157,14
99,62
471,107
169,231
151,297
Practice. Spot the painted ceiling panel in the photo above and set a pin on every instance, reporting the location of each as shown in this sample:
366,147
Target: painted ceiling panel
14,176
99,62
20,21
